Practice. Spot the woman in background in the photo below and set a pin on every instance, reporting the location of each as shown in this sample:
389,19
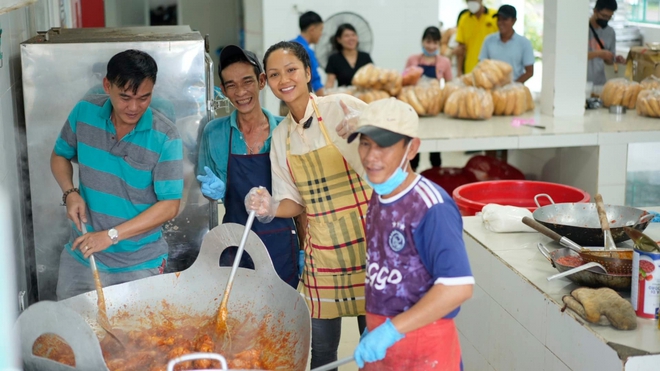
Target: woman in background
435,66
347,59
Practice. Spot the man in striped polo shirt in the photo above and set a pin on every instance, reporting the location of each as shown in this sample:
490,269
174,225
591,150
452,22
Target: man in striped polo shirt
130,160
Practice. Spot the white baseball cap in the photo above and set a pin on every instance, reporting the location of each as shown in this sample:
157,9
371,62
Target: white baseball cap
387,121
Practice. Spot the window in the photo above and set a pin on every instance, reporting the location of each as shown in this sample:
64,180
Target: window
643,11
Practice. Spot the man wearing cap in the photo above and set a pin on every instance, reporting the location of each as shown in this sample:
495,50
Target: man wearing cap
418,273
234,157
508,46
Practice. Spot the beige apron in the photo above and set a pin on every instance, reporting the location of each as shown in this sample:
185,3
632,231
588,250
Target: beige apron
336,200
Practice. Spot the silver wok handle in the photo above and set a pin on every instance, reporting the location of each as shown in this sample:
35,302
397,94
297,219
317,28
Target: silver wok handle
576,270
536,199
645,218
544,251
197,356
335,364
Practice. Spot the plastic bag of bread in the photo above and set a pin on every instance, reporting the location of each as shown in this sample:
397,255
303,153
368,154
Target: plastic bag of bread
411,75
651,82
447,91
489,74
620,92
372,77
648,103
423,97
512,99
470,103
370,95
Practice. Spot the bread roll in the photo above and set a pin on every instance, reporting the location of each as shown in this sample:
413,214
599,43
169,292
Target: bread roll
654,106
530,99
451,107
415,103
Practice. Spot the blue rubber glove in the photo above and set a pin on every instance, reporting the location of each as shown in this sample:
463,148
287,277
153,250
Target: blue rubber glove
301,262
212,186
374,344
656,217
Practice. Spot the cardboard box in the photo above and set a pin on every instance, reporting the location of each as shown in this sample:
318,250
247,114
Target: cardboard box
643,61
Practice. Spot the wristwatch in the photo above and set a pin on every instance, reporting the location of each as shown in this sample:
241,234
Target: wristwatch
114,235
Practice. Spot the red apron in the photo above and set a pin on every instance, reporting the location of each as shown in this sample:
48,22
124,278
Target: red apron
434,347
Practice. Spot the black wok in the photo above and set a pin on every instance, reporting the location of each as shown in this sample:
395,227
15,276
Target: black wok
591,277
580,223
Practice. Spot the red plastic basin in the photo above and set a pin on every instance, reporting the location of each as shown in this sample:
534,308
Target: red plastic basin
471,198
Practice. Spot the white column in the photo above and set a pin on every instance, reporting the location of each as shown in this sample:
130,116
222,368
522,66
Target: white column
565,33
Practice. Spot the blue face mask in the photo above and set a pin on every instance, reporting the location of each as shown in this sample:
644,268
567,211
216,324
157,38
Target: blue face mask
393,181
426,53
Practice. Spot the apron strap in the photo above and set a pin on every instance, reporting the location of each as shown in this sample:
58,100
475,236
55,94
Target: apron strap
320,119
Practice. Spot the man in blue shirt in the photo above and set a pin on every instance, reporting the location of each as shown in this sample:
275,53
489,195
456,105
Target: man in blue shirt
508,46
311,28
234,157
130,165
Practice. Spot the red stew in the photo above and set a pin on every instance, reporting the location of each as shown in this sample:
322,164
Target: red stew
570,261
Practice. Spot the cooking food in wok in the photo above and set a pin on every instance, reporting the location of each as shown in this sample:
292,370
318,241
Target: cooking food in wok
163,317
250,347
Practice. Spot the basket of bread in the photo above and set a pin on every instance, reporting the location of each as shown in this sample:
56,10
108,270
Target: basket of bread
648,103
489,74
512,99
423,97
470,103
620,92
372,77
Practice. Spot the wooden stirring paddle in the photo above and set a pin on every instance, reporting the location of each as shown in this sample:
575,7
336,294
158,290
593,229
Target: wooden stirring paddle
221,321
101,314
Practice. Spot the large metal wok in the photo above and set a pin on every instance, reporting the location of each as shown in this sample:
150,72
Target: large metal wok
591,277
258,294
579,221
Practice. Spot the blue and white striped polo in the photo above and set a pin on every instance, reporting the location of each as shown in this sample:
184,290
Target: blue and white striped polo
121,179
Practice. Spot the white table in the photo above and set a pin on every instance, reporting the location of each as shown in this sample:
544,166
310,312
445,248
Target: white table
514,319
588,152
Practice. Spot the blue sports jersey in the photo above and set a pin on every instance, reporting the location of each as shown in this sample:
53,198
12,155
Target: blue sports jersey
414,241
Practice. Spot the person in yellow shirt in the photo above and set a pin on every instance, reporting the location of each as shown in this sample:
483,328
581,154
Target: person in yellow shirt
472,29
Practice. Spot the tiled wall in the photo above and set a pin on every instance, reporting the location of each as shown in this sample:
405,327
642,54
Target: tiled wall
15,29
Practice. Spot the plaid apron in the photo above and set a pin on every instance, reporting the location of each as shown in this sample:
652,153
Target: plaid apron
336,200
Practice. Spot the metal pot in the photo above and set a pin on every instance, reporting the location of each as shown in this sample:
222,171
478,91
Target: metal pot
197,291
580,223
591,277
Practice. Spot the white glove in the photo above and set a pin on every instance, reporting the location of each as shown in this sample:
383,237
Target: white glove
259,199
350,121
498,218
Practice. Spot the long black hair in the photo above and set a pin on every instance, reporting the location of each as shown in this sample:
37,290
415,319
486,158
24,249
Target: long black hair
340,31
130,68
297,49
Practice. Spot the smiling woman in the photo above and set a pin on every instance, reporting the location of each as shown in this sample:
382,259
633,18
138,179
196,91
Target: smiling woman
315,170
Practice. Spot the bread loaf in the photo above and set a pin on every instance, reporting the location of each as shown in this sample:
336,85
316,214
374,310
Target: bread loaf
648,103
651,82
372,77
425,97
469,103
370,95
620,92
489,74
512,99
